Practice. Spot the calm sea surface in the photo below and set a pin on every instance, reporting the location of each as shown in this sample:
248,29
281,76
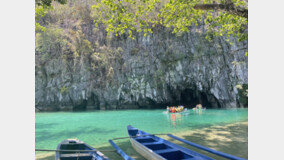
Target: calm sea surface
97,127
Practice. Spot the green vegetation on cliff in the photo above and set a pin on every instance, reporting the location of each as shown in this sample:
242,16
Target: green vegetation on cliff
42,6
228,17
81,65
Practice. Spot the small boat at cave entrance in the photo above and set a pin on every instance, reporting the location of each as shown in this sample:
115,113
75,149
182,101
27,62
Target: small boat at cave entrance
178,109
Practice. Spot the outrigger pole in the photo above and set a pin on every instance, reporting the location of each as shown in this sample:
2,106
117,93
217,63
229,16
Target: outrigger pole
225,155
120,152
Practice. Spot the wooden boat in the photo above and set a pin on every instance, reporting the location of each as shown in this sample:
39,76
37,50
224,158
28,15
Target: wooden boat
155,148
74,149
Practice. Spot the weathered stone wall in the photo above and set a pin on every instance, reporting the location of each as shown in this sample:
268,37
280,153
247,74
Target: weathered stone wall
148,72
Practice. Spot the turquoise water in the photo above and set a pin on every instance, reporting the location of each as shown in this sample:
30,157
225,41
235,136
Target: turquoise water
96,127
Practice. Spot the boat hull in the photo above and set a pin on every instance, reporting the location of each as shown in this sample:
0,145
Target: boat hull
183,111
152,147
82,151
146,153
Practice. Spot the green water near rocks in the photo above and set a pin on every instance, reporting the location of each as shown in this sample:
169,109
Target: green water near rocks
96,127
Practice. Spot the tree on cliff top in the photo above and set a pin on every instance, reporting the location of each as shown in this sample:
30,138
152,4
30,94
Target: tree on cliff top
223,17
41,9
47,3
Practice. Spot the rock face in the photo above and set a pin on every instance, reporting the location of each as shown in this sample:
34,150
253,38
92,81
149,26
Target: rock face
92,71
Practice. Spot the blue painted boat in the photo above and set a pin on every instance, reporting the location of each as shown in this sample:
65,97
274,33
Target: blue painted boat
155,148
74,149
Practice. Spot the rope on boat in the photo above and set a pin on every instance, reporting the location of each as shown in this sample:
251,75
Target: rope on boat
138,136
58,150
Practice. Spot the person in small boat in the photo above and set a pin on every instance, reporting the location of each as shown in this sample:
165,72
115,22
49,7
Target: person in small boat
172,109
199,106
177,109
168,109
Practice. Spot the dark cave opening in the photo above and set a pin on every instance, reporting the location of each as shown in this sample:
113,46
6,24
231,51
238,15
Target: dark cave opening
82,106
190,98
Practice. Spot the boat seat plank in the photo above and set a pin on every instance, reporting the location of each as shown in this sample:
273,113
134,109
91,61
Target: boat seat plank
165,151
144,137
145,140
149,143
76,155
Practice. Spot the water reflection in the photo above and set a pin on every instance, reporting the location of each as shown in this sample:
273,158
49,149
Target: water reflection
198,111
176,118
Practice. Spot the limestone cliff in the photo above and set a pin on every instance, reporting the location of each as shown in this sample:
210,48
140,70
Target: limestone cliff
79,67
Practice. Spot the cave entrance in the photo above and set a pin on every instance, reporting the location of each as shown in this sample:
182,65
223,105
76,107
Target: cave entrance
81,107
190,98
